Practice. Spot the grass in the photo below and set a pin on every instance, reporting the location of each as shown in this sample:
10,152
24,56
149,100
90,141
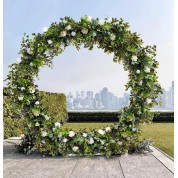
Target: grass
162,134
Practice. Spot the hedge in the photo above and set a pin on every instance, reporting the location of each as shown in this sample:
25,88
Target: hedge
113,116
13,123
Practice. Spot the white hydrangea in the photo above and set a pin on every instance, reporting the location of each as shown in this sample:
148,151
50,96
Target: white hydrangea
85,31
18,60
44,133
112,37
50,42
108,129
20,98
89,18
57,124
75,148
102,132
37,103
63,34
134,58
71,134
45,29
29,51
73,33
65,140
100,22
68,27
32,90
84,134
147,70
91,141
138,71
148,100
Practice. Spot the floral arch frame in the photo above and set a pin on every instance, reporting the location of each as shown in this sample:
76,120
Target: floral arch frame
113,36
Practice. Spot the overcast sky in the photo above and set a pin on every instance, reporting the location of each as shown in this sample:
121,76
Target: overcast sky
90,70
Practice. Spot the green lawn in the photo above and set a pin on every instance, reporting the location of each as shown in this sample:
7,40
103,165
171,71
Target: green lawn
162,134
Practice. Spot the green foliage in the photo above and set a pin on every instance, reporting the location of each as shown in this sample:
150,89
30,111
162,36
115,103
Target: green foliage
111,35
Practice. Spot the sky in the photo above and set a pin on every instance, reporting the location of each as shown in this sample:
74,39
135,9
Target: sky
89,70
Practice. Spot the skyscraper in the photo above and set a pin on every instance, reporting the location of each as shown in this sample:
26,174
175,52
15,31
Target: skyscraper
172,94
104,97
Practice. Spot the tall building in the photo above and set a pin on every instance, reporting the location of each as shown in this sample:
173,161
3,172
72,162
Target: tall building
89,94
104,97
172,94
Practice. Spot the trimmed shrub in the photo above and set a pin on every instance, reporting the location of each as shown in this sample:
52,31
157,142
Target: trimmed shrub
113,116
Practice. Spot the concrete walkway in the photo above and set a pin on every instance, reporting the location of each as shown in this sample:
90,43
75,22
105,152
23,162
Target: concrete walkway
34,166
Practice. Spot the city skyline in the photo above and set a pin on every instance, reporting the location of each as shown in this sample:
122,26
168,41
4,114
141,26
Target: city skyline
90,70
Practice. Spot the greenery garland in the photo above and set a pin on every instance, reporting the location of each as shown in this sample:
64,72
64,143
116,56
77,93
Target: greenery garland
113,36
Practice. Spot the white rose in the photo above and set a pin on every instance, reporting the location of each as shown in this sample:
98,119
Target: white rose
54,129
43,141
75,148
44,133
116,126
37,103
64,140
89,18
29,51
46,117
68,27
134,58
71,134
138,71
57,124
63,34
31,64
148,100
128,138
84,30
101,22
36,113
50,42
101,132
84,134
73,33
134,129
109,20
119,143
108,129
94,34
147,70
91,141
32,90
112,37
18,60
20,98
141,82
23,88
45,29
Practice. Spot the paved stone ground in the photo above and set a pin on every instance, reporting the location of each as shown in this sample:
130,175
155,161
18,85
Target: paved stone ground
17,165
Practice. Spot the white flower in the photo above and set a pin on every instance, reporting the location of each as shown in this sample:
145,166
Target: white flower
20,98
108,129
44,133
18,60
75,148
148,100
36,113
102,132
112,37
57,124
141,82
43,141
50,42
63,34
46,117
94,34
64,140
73,33
32,90
45,29
128,138
68,27
116,126
109,20
23,88
84,134
101,22
134,129
102,142
71,134
138,71
37,103
84,30
29,51
89,18
31,64
147,70
91,141
54,129
134,58
119,143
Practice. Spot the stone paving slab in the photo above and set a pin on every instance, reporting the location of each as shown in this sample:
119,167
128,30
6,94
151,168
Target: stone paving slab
17,165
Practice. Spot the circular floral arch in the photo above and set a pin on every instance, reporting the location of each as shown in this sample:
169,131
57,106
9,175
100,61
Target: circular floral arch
113,36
